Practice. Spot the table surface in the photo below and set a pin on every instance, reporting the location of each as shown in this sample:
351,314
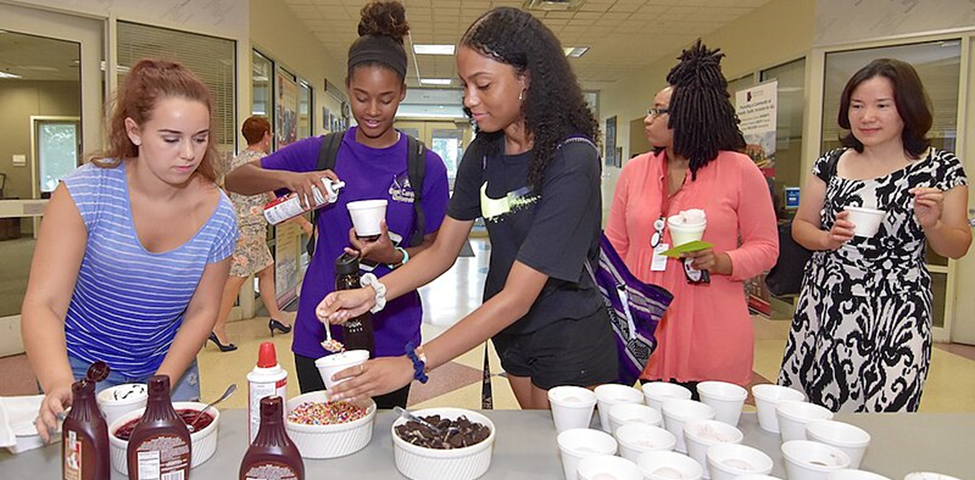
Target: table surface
525,447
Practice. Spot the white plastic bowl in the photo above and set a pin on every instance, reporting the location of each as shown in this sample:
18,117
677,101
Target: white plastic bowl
806,460
700,435
766,397
850,474
654,393
668,465
679,412
610,394
605,467
467,463
725,398
330,441
793,416
852,440
728,461
636,438
624,413
866,221
204,442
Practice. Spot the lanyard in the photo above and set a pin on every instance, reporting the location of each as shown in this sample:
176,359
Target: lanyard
661,222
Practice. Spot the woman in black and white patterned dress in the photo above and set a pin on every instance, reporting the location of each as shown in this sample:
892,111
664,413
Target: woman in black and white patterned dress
861,335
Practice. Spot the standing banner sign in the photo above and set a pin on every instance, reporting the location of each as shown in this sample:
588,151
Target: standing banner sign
757,108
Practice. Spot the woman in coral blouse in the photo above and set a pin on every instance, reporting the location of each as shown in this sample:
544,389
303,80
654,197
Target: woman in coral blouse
706,333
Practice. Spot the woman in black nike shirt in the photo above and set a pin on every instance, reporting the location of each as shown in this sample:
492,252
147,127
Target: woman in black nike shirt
533,174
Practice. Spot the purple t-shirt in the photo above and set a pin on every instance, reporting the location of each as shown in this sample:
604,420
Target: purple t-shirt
368,173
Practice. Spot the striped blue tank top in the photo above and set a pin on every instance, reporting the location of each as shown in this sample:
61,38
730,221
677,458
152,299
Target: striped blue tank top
128,303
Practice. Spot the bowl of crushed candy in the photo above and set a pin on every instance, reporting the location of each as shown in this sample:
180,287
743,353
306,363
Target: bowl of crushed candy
321,428
203,436
462,451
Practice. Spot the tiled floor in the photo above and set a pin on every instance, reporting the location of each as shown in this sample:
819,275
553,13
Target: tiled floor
950,386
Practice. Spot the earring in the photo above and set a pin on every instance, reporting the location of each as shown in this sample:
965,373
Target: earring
521,96
137,142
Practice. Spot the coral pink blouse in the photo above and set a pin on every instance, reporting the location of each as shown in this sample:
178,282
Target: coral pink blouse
706,333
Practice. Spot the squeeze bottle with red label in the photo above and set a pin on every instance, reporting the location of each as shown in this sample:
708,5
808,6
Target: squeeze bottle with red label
160,444
265,380
84,437
272,455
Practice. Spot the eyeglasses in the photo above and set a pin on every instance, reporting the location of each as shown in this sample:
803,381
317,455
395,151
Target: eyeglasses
656,112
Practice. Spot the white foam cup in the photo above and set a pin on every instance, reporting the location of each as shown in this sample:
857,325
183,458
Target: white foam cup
610,394
663,465
654,393
700,435
606,467
578,443
571,407
113,405
866,221
766,397
727,400
728,461
852,440
807,460
623,413
678,412
366,215
793,415
851,474
682,233
636,438
331,364
928,476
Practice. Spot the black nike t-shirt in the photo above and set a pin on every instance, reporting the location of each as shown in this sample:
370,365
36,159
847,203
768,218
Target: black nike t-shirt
553,231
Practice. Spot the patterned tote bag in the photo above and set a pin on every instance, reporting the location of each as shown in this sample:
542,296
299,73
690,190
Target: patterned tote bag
634,307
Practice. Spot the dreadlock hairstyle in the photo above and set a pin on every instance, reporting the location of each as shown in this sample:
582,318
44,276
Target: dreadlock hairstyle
701,114
553,105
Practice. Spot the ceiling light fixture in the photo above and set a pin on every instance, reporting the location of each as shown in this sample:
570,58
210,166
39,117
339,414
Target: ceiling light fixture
9,75
575,52
431,49
434,81
556,5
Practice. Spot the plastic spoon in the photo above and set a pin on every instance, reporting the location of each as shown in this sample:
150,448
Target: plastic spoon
331,345
409,416
230,391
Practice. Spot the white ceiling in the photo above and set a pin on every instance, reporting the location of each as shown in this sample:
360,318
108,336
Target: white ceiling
39,58
624,35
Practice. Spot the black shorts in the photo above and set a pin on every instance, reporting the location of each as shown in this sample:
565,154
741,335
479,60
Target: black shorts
580,352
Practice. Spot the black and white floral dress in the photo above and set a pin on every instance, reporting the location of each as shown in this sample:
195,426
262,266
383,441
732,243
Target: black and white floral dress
861,335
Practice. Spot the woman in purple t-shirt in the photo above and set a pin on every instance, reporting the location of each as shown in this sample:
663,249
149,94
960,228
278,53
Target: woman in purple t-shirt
372,161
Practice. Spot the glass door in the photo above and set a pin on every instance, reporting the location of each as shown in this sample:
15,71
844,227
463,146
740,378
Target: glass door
448,139
53,90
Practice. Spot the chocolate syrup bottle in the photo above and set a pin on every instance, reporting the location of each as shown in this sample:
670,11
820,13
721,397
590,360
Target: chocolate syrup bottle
160,444
84,437
272,454
357,332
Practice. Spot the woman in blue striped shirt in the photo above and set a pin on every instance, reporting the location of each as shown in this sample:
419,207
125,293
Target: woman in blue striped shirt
134,248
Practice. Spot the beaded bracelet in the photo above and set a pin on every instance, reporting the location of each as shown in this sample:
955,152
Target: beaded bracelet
418,365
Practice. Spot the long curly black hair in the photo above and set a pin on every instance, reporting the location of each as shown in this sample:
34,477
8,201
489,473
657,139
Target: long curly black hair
701,113
553,105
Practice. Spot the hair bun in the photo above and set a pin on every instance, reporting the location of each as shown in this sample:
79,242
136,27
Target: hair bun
384,18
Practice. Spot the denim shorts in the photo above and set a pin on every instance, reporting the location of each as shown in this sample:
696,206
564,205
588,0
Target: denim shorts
186,389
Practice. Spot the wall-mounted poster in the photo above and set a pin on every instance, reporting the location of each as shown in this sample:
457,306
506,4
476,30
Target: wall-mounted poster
610,159
286,109
326,125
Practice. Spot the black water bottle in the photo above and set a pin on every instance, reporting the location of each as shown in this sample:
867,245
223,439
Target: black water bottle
357,332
